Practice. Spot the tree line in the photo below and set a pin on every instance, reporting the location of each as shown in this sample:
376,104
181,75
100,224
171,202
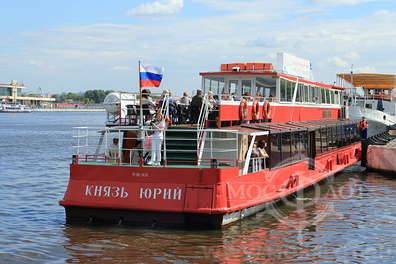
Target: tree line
88,97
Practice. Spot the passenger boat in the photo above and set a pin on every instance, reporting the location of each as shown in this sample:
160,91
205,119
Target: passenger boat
209,176
14,108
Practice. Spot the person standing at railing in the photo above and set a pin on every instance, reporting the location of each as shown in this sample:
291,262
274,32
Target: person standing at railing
113,151
148,104
262,153
195,106
363,128
157,138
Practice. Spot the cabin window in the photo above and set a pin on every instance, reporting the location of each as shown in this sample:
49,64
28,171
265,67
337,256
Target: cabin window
286,147
318,141
312,93
333,142
327,96
283,87
214,84
299,93
289,91
287,88
246,86
276,150
318,96
341,135
323,95
295,148
266,86
233,86
304,144
306,93
324,139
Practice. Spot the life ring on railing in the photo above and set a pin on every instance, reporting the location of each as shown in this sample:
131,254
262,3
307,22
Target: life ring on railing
256,109
266,110
243,111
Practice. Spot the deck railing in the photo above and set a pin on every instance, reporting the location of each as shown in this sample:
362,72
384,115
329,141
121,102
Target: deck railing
217,148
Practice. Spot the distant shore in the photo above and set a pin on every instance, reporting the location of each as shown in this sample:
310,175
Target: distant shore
68,110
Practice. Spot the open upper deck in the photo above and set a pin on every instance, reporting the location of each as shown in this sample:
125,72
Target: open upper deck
231,147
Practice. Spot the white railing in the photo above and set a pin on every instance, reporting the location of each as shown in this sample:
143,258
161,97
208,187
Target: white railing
94,145
257,164
201,134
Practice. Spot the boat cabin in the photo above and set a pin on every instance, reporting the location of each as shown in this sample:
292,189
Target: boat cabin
291,98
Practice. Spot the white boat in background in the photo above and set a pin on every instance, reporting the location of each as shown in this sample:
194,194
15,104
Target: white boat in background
372,96
14,108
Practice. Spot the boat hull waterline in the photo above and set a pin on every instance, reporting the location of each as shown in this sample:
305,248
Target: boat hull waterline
206,197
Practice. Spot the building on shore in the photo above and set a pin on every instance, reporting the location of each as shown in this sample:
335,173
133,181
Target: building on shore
12,92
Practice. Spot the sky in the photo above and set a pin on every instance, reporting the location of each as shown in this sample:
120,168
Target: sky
74,46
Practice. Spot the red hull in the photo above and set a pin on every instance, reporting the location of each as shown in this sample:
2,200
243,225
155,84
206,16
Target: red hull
204,191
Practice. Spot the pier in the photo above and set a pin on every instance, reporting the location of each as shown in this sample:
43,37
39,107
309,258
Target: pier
381,156
68,110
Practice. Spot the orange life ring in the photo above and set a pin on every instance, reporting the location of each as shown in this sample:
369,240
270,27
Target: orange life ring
256,109
266,110
243,111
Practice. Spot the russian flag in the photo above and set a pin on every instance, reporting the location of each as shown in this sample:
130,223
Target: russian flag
150,76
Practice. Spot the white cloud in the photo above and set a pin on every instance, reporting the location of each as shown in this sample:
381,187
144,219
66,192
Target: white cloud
342,2
339,62
36,63
121,68
161,7
353,55
366,69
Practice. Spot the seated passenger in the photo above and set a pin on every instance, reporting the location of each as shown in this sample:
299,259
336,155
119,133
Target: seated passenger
212,103
185,99
226,97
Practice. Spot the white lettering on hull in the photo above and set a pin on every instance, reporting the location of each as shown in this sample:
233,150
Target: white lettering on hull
105,191
160,193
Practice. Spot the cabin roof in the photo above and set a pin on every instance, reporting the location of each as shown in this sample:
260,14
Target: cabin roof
297,126
370,80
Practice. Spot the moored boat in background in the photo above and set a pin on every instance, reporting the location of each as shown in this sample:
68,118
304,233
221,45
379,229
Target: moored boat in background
14,108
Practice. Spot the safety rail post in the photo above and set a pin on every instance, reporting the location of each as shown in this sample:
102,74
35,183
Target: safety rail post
86,137
78,141
165,157
119,147
106,145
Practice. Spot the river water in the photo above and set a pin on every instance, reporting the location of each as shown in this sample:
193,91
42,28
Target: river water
351,218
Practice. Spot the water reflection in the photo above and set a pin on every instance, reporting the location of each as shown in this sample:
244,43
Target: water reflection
352,219
335,227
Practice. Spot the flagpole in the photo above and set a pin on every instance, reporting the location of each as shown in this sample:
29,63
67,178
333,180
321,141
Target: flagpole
141,103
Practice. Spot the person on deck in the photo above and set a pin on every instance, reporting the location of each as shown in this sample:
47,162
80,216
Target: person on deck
113,151
157,138
363,128
261,149
185,99
147,104
195,106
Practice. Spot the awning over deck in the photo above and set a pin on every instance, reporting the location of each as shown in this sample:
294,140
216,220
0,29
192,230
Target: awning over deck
295,126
